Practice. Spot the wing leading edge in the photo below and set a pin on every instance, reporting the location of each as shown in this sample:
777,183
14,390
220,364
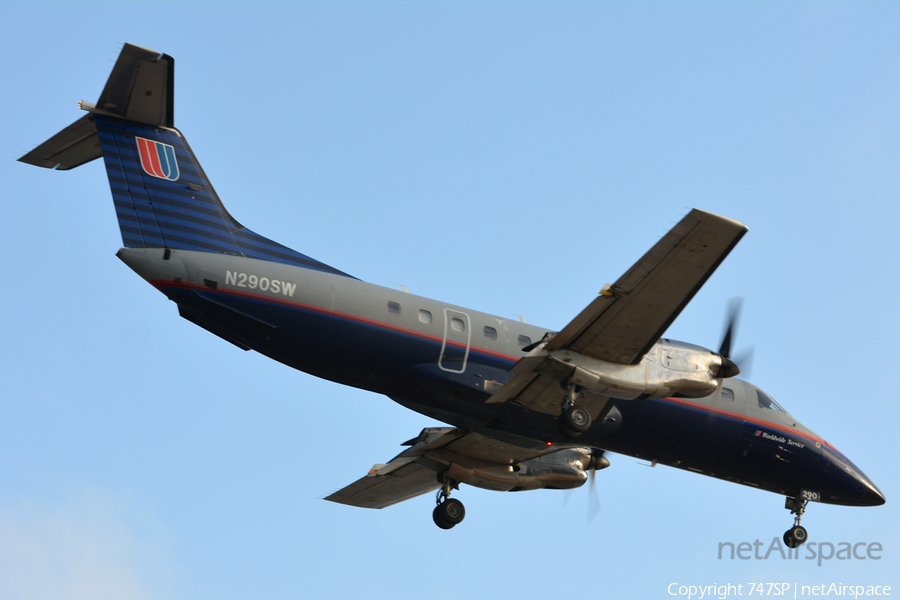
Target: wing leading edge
463,455
623,323
628,317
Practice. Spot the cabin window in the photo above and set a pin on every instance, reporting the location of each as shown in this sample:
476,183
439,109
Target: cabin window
524,340
393,308
727,394
766,401
457,324
424,316
490,333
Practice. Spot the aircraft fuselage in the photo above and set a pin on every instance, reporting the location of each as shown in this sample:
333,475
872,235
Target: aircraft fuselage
445,361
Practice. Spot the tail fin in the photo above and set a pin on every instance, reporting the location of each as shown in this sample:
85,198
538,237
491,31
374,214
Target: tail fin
163,198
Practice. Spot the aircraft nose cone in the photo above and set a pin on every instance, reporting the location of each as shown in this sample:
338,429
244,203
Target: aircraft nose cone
848,484
873,496
865,493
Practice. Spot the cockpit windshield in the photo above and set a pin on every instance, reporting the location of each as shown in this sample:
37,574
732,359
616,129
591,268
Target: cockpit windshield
766,401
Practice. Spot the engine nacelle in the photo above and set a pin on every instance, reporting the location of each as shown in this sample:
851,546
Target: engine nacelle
668,369
562,470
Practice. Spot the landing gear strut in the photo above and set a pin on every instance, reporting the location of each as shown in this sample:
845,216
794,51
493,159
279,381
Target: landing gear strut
574,420
796,535
449,512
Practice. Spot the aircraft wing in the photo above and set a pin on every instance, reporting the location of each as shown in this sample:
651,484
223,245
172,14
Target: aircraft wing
388,485
413,472
629,316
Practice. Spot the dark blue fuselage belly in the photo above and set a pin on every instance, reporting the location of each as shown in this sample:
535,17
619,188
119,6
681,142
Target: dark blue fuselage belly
678,433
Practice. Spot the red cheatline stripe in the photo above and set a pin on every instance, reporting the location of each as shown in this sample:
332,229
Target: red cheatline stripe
750,420
160,284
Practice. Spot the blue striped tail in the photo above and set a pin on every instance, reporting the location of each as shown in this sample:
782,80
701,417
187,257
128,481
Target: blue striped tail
162,197
155,211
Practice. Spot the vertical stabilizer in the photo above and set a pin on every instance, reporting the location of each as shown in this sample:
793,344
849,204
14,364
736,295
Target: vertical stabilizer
141,87
162,197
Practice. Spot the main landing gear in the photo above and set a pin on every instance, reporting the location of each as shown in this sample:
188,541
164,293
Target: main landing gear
449,512
574,419
796,535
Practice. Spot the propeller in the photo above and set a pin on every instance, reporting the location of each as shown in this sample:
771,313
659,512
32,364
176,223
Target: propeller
730,367
598,461
734,313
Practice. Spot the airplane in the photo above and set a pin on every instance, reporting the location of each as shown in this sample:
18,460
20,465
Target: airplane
527,408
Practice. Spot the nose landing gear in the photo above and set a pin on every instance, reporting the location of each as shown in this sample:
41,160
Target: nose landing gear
449,512
796,535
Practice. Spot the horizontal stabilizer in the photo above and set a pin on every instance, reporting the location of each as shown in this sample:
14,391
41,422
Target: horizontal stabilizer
72,147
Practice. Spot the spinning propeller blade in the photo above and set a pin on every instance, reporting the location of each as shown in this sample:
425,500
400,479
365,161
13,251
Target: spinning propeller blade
734,313
598,461
730,367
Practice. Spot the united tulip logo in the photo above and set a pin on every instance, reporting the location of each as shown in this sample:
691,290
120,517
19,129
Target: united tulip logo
157,159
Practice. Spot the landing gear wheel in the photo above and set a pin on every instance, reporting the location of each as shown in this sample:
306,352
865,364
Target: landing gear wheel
439,519
449,513
575,420
788,540
795,536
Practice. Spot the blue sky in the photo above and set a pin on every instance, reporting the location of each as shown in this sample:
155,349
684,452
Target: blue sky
509,157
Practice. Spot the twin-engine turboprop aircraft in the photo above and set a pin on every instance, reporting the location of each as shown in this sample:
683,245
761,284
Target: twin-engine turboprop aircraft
528,408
